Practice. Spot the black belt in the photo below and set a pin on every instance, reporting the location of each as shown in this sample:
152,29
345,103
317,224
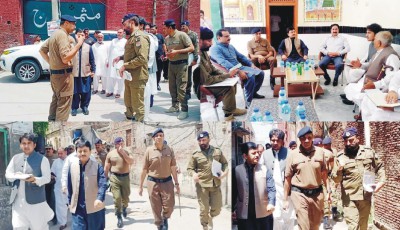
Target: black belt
178,62
307,192
120,174
61,71
158,180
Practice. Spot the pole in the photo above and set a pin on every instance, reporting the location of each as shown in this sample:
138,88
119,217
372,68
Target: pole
54,10
179,200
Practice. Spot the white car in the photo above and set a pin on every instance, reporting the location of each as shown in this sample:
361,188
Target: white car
26,62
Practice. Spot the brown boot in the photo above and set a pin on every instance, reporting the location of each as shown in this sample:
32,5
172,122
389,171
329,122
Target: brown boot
239,112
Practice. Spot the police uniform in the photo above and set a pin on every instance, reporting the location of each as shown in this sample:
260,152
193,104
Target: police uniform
306,168
136,58
195,41
61,78
356,200
208,188
177,70
261,47
158,164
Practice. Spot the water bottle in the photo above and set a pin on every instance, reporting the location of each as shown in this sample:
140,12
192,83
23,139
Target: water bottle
281,98
294,70
300,109
256,115
282,90
300,68
282,64
268,117
303,117
286,111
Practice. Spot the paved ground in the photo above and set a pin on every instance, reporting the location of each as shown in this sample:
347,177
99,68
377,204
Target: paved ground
30,102
141,217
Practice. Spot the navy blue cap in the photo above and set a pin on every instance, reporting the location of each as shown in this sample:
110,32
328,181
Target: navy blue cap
202,135
206,34
68,18
255,30
304,131
292,143
159,130
169,22
142,21
185,23
75,139
128,16
317,141
98,141
327,140
118,140
349,132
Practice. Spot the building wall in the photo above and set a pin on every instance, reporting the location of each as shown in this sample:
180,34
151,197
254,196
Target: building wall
10,24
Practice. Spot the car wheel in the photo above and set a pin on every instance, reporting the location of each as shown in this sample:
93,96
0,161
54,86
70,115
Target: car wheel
27,71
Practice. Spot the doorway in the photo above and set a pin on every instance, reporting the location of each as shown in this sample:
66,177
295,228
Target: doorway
280,18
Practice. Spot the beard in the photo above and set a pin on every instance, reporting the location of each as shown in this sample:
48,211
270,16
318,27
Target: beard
351,150
205,48
128,31
203,147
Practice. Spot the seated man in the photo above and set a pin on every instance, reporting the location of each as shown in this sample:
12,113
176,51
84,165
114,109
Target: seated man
293,49
374,77
261,53
372,113
210,75
227,56
334,48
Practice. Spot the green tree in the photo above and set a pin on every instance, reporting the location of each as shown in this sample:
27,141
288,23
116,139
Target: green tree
40,128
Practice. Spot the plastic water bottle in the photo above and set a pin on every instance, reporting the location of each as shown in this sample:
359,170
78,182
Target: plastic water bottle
286,111
282,90
282,65
256,115
281,98
303,117
268,117
294,71
300,109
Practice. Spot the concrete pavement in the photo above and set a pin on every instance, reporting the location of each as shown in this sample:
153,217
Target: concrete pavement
30,102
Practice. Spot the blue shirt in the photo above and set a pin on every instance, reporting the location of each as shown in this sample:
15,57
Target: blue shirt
227,56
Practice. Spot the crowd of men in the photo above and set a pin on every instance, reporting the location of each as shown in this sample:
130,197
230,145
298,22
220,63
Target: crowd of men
131,64
274,188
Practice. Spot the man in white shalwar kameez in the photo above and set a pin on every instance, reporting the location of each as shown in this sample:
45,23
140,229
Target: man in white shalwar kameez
61,198
29,207
117,49
100,52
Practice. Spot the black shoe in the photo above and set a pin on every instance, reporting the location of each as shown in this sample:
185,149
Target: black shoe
165,224
85,110
158,87
124,213
343,96
120,223
160,227
347,102
272,86
335,82
258,96
74,112
327,81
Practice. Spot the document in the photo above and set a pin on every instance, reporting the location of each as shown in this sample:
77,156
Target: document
216,168
378,98
21,176
369,181
225,83
126,75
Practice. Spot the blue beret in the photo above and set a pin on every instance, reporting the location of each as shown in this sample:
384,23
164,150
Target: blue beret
159,130
327,140
255,30
118,140
304,131
317,141
68,18
128,16
292,143
349,132
142,21
202,135
169,22
185,23
98,141
206,34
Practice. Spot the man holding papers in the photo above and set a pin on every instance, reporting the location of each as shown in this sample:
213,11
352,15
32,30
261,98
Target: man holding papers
208,186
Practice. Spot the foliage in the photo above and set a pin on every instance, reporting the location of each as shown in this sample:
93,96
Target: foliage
40,128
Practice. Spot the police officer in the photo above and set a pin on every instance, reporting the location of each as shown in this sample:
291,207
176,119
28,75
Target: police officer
117,163
100,153
160,168
349,170
58,52
305,172
178,46
208,186
193,56
135,62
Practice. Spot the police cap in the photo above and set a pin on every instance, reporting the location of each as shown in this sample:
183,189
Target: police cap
304,131
349,132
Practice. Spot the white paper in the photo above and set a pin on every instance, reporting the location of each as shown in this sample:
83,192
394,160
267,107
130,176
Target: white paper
227,82
236,67
21,176
216,168
369,181
126,75
378,98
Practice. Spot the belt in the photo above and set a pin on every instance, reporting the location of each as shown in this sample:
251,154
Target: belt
178,62
61,71
307,192
120,174
158,180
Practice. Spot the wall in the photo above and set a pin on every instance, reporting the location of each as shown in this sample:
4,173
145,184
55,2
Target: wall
10,24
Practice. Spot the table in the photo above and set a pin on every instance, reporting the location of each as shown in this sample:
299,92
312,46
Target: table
297,90
306,77
271,104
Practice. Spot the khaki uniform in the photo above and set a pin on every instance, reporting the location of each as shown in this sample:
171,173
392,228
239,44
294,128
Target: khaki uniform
119,180
210,75
328,158
306,173
62,83
158,164
208,189
100,157
357,201
177,69
262,47
136,57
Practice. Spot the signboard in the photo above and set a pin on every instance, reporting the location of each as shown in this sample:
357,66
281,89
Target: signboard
37,14
21,127
52,26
